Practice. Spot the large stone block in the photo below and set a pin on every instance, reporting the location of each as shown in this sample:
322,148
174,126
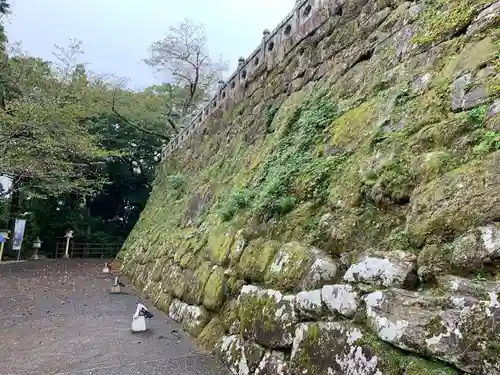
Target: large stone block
341,299
240,356
211,334
219,245
309,303
267,316
453,203
192,318
273,363
288,267
174,280
459,330
297,267
196,281
468,252
214,294
255,259
340,348
396,269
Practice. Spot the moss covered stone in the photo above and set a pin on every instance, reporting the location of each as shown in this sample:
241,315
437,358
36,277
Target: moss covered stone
289,266
229,316
455,329
196,281
441,19
157,270
164,301
240,356
453,203
337,347
255,259
213,296
211,334
192,318
219,244
233,286
237,247
174,280
267,316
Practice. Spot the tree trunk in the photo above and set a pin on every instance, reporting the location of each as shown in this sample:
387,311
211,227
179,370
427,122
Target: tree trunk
14,209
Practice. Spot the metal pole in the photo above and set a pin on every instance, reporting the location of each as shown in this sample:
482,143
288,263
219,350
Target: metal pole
1,250
66,252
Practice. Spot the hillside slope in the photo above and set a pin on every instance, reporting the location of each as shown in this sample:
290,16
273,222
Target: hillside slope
344,217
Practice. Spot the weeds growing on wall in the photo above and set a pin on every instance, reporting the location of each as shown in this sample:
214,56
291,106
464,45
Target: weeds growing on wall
271,192
177,184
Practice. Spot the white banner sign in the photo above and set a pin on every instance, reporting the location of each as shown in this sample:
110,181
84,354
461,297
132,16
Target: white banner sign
18,234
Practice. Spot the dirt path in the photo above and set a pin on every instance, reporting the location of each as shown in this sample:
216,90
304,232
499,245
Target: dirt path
58,318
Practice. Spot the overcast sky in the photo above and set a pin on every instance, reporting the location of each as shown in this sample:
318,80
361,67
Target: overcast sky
116,34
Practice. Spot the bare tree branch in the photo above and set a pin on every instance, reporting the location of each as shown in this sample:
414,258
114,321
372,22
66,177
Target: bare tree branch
183,55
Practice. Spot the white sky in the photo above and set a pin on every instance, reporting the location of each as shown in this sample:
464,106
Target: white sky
116,34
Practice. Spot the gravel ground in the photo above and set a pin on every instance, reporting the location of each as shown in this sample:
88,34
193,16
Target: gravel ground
57,317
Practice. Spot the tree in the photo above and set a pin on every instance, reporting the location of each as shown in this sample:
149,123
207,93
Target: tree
46,147
183,55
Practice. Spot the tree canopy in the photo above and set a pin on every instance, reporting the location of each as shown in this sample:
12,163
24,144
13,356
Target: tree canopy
80,149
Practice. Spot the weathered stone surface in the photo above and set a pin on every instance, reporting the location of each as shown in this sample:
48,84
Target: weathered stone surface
462,331
237,247
396,269
466,196
240,356
164,301
211,334
492,121
219,244
255,259
309,304
213,296
157,270
196,282
288,267
462,287
340,299
273,362
477,246
472,250
340,348
267,316
192,318
461,98
174,280
487,18
322,270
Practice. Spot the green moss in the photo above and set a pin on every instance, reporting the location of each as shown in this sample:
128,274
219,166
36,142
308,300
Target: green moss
255,259
229,313
196,282
164,301
219,244
213,296
211,334
472,57
355,125
455,201
441,19
289,267
174,281
392,361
